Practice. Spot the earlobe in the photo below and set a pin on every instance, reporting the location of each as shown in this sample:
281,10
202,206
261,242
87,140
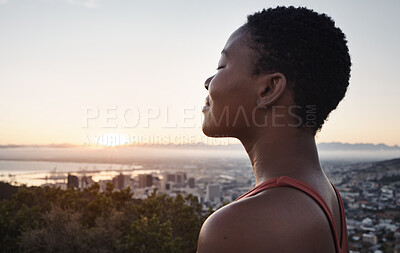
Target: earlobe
272,87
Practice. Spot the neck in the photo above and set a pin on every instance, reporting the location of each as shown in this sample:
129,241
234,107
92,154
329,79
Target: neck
282,152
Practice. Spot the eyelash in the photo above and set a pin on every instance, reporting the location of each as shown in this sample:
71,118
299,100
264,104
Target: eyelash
220,67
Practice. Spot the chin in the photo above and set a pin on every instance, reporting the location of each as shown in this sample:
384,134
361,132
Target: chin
207,132
215,132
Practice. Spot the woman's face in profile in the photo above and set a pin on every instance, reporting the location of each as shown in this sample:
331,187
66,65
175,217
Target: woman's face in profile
232,97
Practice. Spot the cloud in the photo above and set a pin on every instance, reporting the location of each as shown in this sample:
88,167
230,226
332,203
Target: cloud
85,3
3,1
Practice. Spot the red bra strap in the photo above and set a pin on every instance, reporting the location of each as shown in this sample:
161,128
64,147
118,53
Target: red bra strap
343,240
288,181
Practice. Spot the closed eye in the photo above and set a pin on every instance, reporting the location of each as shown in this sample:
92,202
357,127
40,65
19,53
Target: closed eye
220,67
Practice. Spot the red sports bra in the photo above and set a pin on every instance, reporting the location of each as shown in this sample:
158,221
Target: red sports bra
340,245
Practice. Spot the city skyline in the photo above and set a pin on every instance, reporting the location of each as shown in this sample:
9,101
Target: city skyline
66,61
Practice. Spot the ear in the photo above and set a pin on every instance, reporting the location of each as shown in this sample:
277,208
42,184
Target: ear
271,88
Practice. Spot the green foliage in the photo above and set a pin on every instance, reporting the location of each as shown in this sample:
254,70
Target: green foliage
152,235
48,219
184,214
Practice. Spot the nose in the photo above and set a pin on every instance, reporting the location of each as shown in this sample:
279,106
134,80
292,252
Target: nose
207,82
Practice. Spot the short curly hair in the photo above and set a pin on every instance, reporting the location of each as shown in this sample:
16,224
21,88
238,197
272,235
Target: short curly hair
309,50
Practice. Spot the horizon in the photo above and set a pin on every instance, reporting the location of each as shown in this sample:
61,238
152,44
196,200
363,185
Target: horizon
126,145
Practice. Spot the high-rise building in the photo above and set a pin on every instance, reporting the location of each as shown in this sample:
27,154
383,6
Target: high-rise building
180,178
213,192
145,180
191,182
171,177
119,181
73,181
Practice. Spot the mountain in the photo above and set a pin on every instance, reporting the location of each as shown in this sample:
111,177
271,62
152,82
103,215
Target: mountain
391,164
338,146
387,168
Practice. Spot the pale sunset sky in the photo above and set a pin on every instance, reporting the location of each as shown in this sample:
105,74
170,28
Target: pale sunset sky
138,68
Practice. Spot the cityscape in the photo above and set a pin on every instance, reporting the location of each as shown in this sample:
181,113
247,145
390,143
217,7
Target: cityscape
370,191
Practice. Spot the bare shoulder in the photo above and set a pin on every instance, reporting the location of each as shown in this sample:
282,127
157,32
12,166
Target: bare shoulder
277,220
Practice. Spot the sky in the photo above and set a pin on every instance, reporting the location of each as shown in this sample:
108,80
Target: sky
72,71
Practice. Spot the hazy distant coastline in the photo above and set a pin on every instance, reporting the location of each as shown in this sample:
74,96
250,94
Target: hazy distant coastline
323,146
333,151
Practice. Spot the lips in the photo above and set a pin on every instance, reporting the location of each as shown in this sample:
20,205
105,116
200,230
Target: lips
208,101
207,104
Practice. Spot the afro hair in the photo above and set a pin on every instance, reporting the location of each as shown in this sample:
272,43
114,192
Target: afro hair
310,51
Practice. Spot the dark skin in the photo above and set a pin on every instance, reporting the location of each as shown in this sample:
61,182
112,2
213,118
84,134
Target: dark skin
279,219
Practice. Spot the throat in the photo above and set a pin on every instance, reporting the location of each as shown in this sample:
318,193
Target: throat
292,156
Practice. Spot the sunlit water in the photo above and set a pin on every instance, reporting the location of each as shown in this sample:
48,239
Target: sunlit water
37,166
38,172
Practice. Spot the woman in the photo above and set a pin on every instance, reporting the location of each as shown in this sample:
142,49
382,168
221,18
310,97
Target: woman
278,78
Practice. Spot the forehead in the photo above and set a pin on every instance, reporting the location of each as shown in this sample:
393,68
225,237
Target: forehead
238,52
237,45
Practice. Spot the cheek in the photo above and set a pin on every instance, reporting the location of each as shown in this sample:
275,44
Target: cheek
229,94
224,89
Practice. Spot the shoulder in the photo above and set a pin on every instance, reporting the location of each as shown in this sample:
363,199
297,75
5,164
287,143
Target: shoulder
277,220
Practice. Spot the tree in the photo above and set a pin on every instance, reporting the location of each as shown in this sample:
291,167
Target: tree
49,219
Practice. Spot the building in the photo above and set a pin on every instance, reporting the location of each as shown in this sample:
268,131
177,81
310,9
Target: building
191,182
370,238
213,192
118,181
86,181
145,180
73,181
170,177
180,178
166,186
103,184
